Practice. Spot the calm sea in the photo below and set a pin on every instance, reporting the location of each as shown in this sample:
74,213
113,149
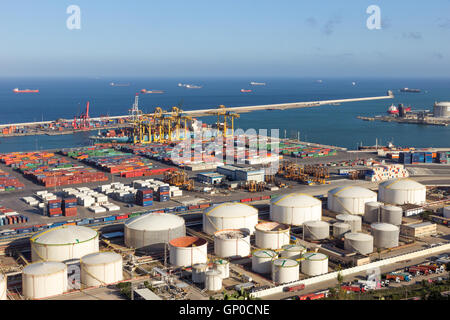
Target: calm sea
334,125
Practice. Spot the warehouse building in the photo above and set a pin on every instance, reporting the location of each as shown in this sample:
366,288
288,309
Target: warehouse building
210,177
422,229
228,171
242,173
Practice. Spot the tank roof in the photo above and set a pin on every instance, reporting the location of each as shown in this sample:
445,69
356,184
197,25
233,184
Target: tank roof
44,268
271,226
352,192
231,210
64,235
155,222
226,234
296,199
187,242
316,223
402,184
357,236
265,253
392,208
285,263
293,247
384,226
101,258
348,217
314,256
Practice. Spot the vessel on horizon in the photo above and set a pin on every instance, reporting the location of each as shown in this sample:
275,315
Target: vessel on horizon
17,90
410,90
257,83
114,84
151,91
246,90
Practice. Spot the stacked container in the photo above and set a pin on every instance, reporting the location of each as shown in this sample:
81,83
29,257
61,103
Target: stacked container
54,208
144,197
70,207
163,194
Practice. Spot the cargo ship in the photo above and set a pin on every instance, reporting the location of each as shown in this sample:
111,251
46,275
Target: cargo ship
410,90
189,86
257,83
17,90
113,84
244,90
151,91
394,110
120,136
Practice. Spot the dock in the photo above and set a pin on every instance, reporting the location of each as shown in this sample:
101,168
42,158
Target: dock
426,121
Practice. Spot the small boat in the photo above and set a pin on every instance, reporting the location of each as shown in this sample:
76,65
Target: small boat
257,83
17,90
410,90
246,90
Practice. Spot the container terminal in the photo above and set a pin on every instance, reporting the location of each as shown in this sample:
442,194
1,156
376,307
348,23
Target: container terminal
204,225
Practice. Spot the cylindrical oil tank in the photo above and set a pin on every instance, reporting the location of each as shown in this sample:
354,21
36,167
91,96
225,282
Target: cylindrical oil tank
392,215
101,268
385,235
350,199
271,235
63,243
44,279
442,109
232,243
262,260
230,215
446,212
314,264
372,212
213,281
199,272
153,230
3,287
292,251
316,230
187,251
223,266
354,221
295,209
402,191
359,242
340,228
285,270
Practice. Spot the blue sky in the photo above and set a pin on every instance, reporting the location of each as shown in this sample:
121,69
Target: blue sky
322,38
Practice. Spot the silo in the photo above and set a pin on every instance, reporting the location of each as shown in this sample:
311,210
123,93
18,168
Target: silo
385,235
223,266
262,260
316,230
3,287
271,235
44,279
352,220
199,272
350,199
292,251
101,268
295,208
372,212
213,281
63,243
314,264
340,228
187,251
442,109
359,242
285,270
446,212
230,215
392,215
232,243
151,231
402,191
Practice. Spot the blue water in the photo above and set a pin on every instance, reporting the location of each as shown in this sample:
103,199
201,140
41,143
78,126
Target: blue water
335,125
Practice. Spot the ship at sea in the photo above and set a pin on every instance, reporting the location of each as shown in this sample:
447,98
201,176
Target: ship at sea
151,91
114,84
246,90
118,135
410,90
17,90
257,83
394,110
189,86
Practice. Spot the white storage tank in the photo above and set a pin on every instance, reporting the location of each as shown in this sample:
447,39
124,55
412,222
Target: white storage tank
262,260
213,281
101,268
350,199
372,212
3,287
359,242
223,266
199,272
232,243
44,279
151,231
187,251
392,215
340,228
316,230
63,243
354,221
314,264
295,209
285,270
292,251
446,212
442,109
385,235
271,235
402,191
230,215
